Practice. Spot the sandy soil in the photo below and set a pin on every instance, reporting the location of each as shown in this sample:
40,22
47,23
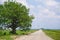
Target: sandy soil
38,35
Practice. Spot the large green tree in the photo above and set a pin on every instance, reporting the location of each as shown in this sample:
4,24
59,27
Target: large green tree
14,14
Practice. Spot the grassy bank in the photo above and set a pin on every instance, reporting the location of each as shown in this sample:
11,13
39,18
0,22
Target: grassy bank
7,35
55,34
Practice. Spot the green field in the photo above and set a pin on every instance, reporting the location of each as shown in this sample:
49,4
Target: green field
55,34
7,35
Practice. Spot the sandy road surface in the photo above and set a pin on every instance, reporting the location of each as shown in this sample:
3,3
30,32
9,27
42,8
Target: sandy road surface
38,35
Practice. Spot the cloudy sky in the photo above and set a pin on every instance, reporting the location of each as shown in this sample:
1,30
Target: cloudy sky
46,13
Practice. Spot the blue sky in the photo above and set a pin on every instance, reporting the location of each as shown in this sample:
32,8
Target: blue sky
46,13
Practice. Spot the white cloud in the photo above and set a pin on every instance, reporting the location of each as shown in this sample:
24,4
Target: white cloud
51,2
38,0
48,2
31,6
47,10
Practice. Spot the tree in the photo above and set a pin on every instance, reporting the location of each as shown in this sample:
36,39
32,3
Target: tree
14,14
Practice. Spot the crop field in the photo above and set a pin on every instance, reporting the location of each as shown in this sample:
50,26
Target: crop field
55,34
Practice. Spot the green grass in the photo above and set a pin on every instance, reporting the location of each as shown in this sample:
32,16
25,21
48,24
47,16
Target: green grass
55,34
7,35
19,32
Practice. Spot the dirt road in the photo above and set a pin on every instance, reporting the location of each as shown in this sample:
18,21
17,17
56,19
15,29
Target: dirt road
38,35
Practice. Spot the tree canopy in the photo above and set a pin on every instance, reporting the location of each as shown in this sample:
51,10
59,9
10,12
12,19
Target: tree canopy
14,14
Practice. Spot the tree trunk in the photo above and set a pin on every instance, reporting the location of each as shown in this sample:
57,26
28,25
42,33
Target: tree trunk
13,31
14,25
